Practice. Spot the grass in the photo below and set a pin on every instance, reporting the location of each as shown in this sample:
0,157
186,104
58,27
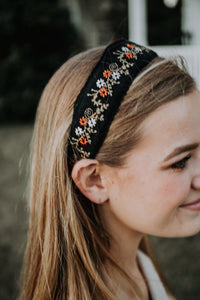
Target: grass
14,143
179,258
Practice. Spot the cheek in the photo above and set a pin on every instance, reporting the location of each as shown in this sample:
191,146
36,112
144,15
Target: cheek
149,201
173,189
131,198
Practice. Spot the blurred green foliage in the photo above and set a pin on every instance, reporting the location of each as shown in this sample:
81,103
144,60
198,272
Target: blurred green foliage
36,38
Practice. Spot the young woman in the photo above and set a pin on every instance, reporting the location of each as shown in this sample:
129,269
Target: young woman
115,157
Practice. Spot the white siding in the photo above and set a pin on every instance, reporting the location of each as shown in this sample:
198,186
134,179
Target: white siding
190,19
190,53
137,11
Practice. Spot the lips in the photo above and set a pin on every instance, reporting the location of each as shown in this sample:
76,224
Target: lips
195,205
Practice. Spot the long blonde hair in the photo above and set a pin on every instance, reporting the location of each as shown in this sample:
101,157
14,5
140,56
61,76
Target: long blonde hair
67,244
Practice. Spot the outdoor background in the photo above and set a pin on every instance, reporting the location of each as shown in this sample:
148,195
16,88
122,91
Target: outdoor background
36,38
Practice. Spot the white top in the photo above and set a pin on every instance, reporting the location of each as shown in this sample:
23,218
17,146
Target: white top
156,287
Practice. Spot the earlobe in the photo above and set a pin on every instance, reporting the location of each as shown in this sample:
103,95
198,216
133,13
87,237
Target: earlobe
87,176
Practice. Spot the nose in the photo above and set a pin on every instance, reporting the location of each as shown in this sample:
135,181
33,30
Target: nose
196,182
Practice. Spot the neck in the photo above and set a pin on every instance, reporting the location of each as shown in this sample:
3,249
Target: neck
124,242
124,245
124,248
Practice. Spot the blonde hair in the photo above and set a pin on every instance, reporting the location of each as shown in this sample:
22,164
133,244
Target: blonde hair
67,244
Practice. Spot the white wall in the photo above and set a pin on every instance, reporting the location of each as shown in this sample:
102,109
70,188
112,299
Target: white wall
191,19
137,15
190,54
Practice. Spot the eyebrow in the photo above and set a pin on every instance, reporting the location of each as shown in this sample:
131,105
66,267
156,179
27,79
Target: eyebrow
181,149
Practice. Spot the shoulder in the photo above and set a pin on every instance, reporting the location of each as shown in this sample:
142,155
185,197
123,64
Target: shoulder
155,285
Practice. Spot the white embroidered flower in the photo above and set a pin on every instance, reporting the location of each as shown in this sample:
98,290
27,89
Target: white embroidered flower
138,49
116,75
125,49
100,83
79,131
91,122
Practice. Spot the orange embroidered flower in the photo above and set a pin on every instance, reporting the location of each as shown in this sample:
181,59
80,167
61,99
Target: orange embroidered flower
130,46
103,92
83,141
129,55
106,73
83,121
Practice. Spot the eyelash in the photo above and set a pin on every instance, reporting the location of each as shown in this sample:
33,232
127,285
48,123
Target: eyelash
180,165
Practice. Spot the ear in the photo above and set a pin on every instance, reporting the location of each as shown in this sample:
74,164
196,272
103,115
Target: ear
88,177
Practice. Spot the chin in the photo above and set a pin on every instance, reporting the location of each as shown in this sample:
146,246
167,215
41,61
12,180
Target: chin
182,232
188,233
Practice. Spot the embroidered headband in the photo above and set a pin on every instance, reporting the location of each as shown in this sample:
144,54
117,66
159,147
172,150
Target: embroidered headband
99,99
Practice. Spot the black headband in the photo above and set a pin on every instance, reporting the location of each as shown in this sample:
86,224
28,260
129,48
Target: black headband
99,99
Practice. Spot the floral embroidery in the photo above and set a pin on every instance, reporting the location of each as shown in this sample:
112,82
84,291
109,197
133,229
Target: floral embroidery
116,75
91,122
83,121
138,49
103,92
83,141
88,112
125,49
100,83
130,46
99,96
106,73
113,67
79,131
129,55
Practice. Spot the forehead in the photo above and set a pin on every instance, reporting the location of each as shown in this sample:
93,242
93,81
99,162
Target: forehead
173,123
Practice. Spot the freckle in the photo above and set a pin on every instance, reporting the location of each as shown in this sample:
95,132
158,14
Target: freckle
110,182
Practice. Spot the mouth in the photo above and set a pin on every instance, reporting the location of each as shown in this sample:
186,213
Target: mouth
195,205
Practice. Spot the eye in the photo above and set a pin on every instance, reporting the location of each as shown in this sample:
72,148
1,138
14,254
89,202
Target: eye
181,164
